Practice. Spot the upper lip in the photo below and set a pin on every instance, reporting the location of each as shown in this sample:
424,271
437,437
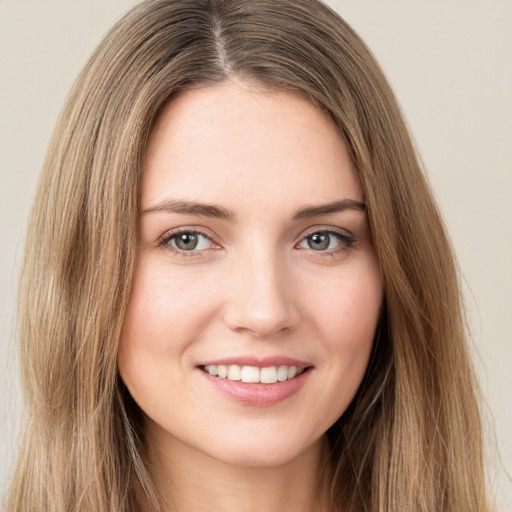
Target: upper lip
258,361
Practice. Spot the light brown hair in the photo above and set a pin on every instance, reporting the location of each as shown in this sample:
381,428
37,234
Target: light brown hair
410,440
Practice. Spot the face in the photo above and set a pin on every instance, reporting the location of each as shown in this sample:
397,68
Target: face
256,292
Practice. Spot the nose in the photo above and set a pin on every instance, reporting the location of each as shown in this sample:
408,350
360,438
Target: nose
260,301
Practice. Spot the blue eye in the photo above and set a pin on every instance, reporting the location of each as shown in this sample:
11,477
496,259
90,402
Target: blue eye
326,241
188,241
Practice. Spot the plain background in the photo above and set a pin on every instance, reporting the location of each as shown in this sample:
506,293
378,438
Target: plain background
450,63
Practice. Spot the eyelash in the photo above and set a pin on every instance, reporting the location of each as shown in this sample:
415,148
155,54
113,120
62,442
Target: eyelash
166,239
346,241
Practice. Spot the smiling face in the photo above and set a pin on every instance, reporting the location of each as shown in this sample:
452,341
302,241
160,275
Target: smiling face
255,263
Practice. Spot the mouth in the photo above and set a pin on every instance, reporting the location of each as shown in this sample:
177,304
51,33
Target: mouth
254,374
257,380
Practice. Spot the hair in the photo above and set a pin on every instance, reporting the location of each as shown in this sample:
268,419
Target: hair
411,440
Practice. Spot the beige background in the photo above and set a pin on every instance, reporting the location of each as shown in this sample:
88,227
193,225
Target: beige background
450,63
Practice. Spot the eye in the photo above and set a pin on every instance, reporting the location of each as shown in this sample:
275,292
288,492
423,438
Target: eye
326,240
187,241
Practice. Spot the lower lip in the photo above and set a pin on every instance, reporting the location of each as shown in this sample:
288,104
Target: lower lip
258,394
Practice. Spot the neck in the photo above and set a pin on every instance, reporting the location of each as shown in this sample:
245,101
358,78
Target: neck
192,481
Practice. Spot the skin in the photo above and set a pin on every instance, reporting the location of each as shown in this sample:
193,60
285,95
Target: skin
254,286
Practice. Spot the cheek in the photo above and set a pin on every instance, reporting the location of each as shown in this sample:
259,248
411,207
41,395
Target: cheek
347,308
164,315
345,314
165,308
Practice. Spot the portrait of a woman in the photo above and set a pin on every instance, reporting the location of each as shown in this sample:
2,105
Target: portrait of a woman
237,291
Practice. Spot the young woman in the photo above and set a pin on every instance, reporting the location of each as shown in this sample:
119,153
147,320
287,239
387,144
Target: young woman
242,296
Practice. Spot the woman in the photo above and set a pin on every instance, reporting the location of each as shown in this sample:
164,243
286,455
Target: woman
243,296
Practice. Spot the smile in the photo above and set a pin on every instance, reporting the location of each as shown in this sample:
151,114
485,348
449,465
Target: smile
254,374
257,380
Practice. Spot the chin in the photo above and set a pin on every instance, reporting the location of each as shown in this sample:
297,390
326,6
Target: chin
262,451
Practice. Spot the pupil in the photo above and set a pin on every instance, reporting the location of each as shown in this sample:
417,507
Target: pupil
319,241
186,241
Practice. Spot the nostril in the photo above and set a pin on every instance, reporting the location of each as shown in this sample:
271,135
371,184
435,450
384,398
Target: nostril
260,323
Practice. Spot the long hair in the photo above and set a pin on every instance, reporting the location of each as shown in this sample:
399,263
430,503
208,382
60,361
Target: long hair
411,438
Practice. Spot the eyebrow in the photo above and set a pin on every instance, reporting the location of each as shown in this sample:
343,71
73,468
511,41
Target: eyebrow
325,209
215,211
192,208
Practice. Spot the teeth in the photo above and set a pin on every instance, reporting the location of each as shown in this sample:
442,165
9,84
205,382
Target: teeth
234,372
282,373
250,374
292,371
268,375
254,374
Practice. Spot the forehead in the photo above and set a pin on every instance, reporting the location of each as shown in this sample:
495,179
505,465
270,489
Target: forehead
239,140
